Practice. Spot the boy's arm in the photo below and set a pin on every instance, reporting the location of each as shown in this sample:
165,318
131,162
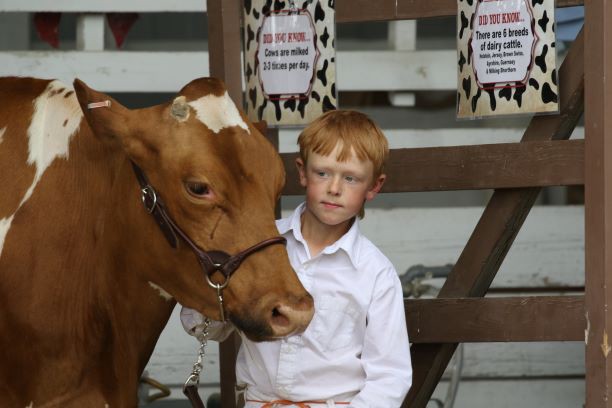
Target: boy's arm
386,349
193,323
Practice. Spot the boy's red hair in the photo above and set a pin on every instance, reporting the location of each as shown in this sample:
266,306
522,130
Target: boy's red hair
353,130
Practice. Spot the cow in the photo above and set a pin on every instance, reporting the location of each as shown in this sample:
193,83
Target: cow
89,275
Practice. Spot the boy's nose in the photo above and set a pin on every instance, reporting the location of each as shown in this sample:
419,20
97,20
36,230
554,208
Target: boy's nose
334,186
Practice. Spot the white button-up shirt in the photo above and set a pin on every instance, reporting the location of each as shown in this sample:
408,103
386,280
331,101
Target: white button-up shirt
355,349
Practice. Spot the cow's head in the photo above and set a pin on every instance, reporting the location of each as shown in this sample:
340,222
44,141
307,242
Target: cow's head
220,180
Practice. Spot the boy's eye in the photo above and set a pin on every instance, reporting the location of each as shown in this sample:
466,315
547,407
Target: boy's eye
321,173
350,179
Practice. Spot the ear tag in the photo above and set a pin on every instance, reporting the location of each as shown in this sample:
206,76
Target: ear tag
103,104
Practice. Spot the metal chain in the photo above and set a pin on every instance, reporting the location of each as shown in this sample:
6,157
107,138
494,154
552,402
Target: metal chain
194,377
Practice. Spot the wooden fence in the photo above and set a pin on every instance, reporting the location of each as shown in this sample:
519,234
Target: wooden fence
578,317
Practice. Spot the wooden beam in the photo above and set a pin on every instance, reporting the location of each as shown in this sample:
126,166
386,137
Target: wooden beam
352,11
509,319
503,165
225,45
598,202
497,228
508,165
224,39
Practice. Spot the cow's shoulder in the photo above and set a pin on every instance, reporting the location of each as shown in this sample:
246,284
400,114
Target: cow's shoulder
37,119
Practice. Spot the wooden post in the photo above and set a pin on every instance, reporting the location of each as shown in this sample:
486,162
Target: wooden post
224,46
598,202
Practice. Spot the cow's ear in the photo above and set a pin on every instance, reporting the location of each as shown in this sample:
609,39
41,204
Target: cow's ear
108,119
262,126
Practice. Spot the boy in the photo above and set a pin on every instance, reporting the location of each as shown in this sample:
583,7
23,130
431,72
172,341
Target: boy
355,352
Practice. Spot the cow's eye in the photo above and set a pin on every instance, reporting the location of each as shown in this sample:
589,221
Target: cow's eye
197,189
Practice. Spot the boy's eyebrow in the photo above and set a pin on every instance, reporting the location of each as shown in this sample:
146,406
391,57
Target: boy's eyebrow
355,173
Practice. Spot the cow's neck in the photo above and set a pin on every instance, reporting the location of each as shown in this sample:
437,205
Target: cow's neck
112,316
138,311
84,315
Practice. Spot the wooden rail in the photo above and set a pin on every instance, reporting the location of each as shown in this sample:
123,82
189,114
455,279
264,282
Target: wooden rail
504,165
353,11
535,318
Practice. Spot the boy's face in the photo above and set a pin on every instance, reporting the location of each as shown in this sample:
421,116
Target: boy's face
336,191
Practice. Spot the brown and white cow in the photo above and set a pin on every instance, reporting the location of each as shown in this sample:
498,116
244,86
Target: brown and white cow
87,279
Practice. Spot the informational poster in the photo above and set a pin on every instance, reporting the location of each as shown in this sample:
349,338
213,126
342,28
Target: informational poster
290,60
506,58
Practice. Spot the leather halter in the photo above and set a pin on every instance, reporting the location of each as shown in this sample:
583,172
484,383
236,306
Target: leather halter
210,261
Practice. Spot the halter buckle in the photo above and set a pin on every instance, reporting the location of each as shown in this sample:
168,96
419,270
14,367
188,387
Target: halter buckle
149,198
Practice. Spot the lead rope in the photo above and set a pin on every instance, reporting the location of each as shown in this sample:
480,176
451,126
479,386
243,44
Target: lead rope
190,388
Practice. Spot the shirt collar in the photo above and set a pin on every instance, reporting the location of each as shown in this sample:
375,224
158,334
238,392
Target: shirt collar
348,242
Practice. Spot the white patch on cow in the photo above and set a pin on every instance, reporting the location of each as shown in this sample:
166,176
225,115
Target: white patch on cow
2,133
51,128
31,405
218,112
5,224
161,291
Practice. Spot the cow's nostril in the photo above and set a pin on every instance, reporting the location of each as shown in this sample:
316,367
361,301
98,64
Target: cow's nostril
278,318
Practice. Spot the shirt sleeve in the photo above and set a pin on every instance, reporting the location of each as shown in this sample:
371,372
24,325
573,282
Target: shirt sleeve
386,348
193,323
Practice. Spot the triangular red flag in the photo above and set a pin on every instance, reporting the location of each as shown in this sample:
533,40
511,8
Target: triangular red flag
47,27
120,24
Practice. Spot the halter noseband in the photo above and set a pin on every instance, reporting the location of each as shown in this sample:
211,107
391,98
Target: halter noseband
210,261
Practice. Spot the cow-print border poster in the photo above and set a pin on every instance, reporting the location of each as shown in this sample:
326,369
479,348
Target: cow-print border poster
506,58
313,56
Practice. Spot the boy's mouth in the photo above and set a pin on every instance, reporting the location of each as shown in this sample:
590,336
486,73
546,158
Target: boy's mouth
330,205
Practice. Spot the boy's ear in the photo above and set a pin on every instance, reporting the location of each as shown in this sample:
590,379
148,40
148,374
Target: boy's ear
301,168
376,187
